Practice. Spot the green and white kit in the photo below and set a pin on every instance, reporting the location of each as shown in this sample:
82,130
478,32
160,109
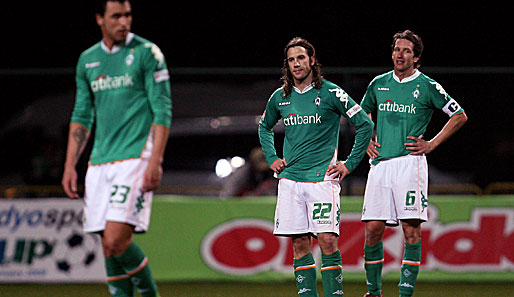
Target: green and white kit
308,199
123,91
397,186
312,119
404,109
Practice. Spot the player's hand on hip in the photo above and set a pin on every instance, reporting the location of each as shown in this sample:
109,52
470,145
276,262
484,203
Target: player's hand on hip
339,169
278,165
419,147
372,149
69,182
152,177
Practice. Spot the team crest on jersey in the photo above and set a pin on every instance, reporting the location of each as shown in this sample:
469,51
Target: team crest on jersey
415,94
317,101
129,59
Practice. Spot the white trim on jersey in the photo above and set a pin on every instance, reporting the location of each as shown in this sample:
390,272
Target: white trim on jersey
117,48
407,79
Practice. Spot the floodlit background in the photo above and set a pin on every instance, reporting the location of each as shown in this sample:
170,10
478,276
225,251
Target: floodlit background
224,62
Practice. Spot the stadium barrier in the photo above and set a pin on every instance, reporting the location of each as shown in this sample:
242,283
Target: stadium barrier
193,238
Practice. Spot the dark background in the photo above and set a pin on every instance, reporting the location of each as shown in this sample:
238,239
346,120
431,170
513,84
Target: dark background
42,42
253,34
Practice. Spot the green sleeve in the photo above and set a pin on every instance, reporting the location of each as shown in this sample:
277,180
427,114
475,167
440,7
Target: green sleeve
364,131
439,99
83,111
362,123
266,136
369,101
157,85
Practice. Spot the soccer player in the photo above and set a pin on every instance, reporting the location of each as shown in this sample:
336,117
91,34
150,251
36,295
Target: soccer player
397,187
308,201
123,86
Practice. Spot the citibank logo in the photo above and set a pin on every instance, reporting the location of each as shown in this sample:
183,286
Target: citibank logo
392,106
293,119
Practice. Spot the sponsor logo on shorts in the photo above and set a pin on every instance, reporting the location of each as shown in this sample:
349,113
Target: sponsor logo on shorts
324,222
411,208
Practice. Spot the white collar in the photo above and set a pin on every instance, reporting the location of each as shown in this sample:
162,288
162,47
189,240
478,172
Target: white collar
308,88
117,48
407,79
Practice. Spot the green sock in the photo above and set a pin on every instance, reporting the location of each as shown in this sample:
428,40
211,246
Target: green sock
410,268
373,263
136,265
117,279
305,275
332,274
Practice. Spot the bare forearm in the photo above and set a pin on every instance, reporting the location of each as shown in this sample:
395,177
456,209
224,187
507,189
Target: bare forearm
77,140
159,145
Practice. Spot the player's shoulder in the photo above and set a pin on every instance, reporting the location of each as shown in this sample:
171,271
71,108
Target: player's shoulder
138,41
277,94
146,48
428,82
329,85
91,51
141,43
382,78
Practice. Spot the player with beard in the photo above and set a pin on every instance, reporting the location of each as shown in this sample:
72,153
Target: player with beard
123,86
308,202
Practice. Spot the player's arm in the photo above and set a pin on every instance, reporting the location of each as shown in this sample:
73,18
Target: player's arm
368,104
158,89
77,139
364,129
80,125
439,99
421,146
372,147
266,136
153,173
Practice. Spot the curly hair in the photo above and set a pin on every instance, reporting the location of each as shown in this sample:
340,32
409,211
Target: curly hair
287,76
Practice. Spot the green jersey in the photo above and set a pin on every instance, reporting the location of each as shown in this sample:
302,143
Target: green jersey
312,119
404,109
126,90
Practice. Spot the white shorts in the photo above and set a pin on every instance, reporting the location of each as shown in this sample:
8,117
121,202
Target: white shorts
307,208
397,189
113,193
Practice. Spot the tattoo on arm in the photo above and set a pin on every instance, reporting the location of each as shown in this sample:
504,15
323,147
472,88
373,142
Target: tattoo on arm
80,136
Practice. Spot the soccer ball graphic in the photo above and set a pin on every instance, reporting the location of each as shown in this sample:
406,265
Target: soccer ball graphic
76,251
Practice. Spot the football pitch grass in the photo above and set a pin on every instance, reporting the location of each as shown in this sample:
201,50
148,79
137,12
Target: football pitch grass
267,289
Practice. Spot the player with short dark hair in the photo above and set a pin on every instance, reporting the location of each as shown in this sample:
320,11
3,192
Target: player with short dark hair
397,187
123,87
308,201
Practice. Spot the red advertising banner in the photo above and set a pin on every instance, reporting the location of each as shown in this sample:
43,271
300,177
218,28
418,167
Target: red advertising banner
484,243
